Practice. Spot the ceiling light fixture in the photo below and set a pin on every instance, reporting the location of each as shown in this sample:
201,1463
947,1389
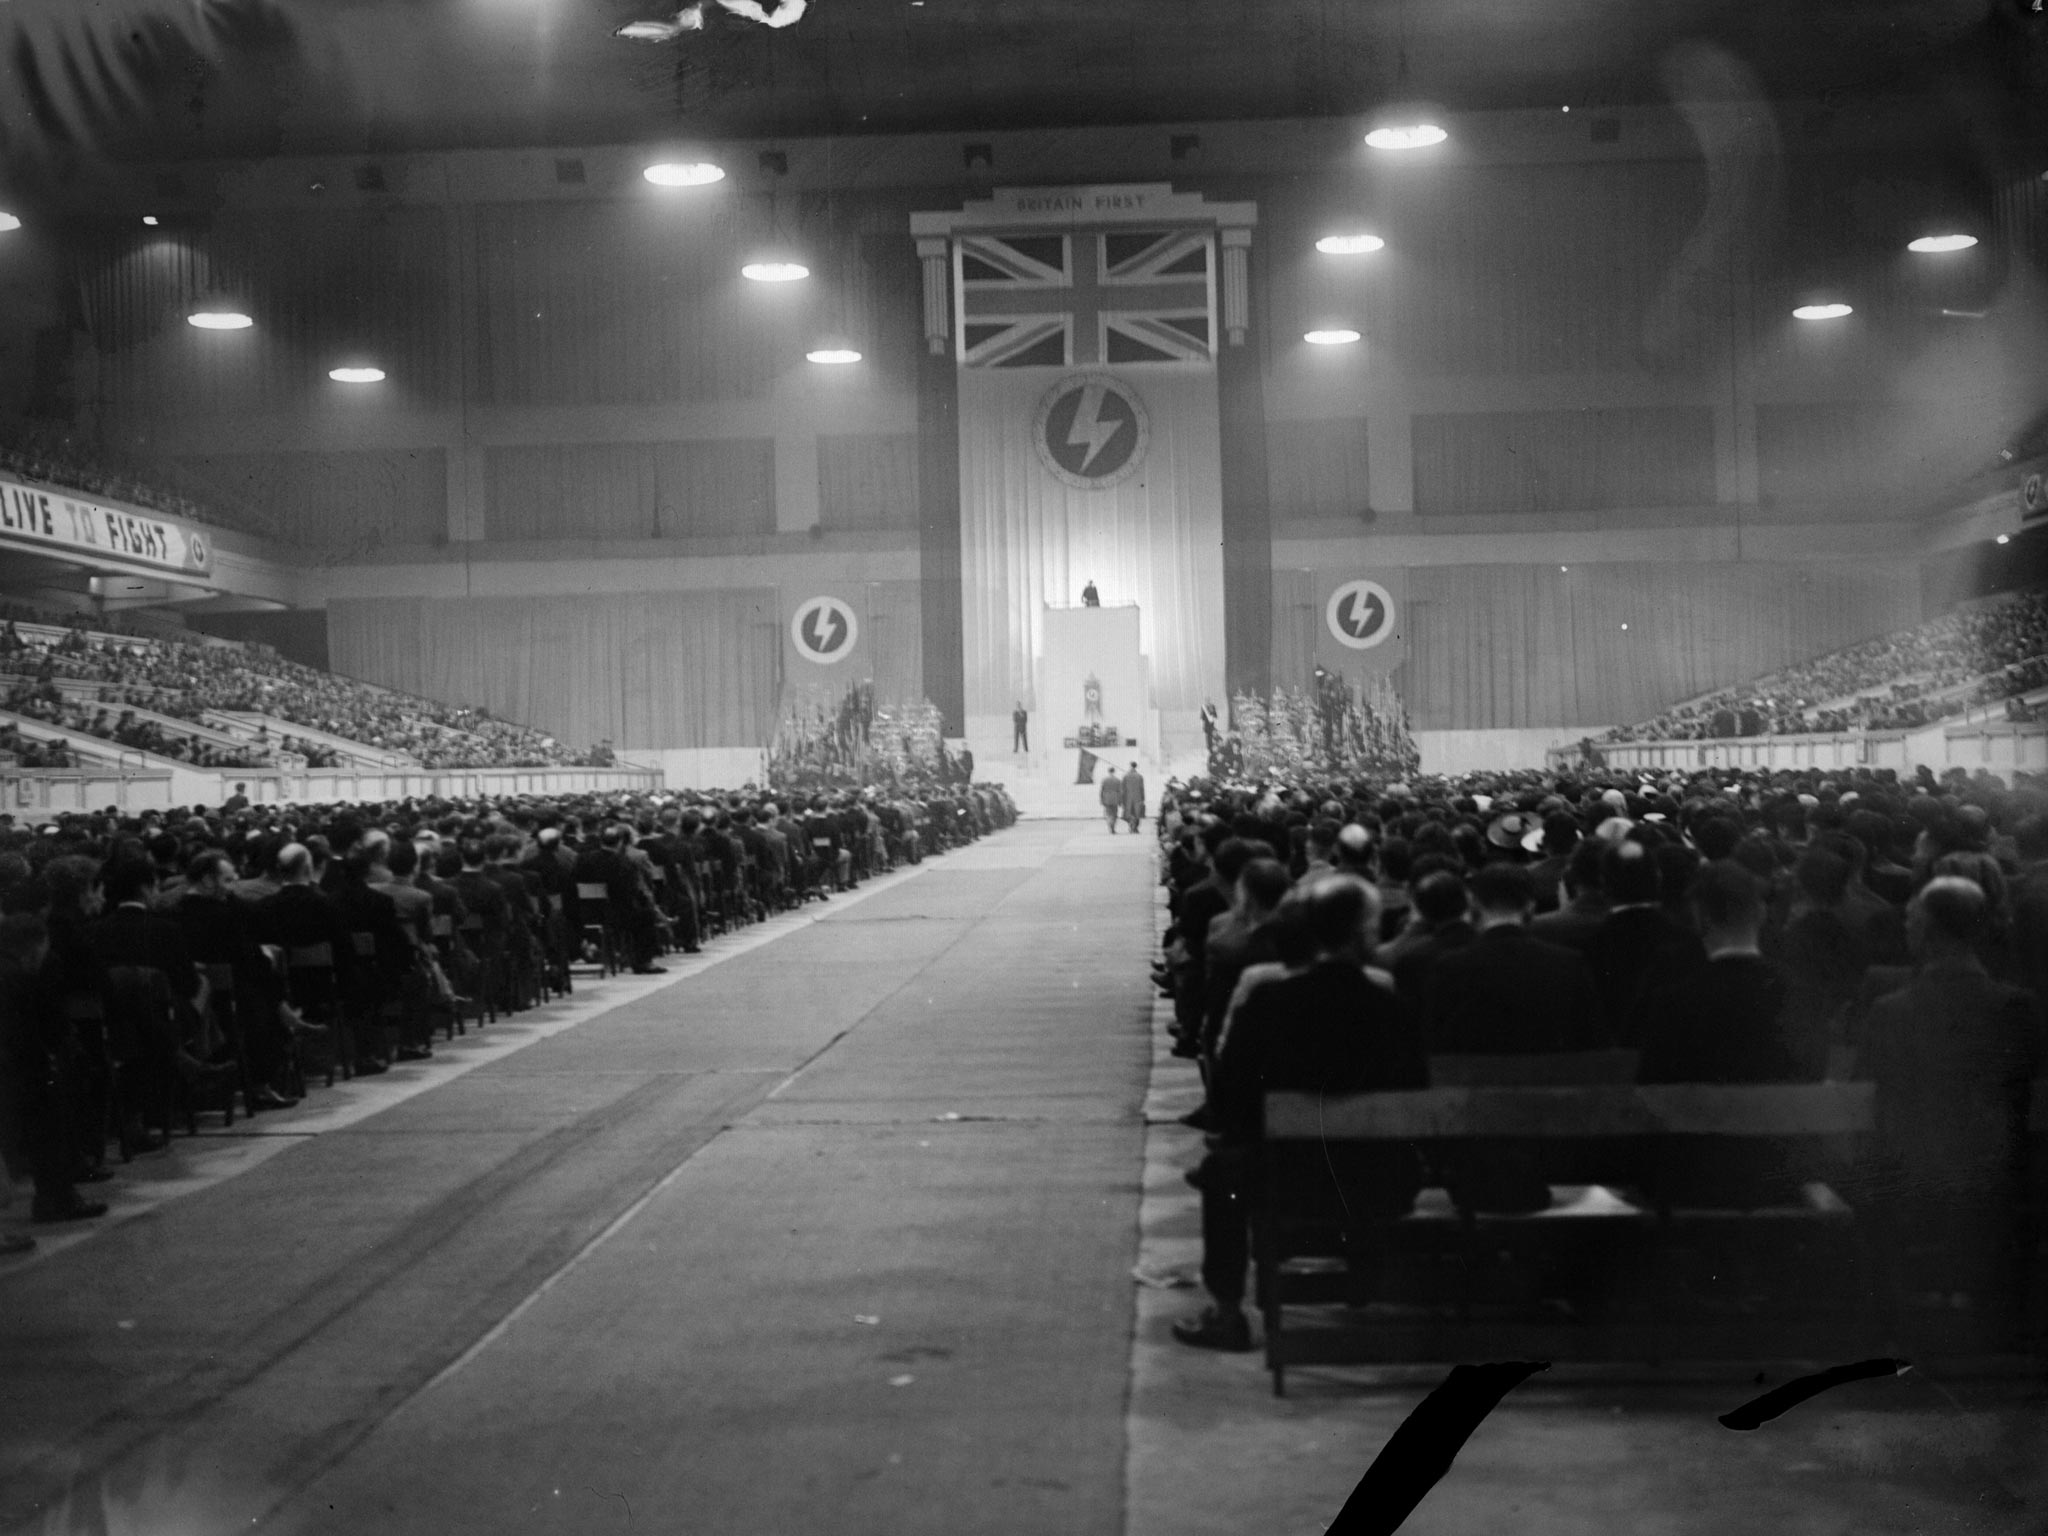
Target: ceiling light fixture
356,375
775,271
150,220
9,221
1335,336
689,19
2004,538
1932,244
1821,311
219,320
684,173
833,355
1350,245
1406,136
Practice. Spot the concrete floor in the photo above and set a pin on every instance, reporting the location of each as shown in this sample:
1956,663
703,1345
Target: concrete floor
834,1231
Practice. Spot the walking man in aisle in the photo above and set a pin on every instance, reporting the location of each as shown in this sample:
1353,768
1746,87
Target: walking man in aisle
1112,796
1020,728
1134,798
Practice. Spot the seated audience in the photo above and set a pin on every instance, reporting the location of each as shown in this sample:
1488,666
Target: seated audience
1328,1029
1953,1054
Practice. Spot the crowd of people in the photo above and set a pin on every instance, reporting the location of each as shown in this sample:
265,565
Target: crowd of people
164,964
1899,681
85,470
1727,927
184,679
47,703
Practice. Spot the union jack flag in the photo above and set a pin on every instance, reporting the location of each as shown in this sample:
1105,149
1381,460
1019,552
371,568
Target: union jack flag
1126,296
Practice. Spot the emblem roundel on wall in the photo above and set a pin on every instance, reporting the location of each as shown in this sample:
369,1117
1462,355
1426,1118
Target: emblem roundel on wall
1091,431
1360,614
823,630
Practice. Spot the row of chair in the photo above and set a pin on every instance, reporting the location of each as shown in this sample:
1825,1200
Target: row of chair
1611,1268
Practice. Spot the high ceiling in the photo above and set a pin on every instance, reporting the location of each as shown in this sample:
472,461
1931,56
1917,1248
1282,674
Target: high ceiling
229,78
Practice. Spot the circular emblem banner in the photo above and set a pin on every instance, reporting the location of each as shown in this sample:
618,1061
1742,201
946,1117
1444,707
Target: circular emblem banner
1091,431
823,630
1360,614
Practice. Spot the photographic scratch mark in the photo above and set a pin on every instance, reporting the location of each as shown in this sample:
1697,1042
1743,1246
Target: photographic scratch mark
1420,1452
620,1497
1759,1411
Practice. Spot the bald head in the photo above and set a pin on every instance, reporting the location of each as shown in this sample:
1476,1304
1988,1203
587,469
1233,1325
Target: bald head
1948,916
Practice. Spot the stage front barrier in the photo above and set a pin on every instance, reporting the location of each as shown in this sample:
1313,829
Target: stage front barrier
28,793
58,789
2000,748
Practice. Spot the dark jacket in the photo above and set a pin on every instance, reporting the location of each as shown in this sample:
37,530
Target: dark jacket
1953,1055
1635,949
133,935
1414,956
1327,1029
1572,925
1228,955
1506,993
1723,1023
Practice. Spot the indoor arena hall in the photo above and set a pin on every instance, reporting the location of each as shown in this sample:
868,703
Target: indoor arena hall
1156,769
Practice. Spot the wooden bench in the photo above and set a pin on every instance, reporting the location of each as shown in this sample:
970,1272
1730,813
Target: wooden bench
1621,1243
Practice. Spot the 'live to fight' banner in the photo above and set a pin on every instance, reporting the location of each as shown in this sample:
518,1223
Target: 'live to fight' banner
53,523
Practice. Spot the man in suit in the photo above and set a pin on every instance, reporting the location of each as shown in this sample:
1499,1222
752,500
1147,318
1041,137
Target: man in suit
1724,1020
1240,938
220,930
40,1071
1585,908
1440,926
1134,798
483,896
1020,728
1111,793
1200,906
1507,993
300,916
1560,841
1327,1029
133,933
1953,1055
632,908
1638,941
379,980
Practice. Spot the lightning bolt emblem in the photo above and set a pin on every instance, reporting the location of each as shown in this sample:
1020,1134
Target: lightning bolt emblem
1089,430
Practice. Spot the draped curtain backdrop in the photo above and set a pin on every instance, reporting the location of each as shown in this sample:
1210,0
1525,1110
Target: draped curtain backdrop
1500,646
641,669
1028,539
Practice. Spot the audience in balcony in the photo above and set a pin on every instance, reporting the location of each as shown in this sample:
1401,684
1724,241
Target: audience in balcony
187,679
1896,682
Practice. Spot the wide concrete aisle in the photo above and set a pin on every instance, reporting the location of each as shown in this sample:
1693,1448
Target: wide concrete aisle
834,1236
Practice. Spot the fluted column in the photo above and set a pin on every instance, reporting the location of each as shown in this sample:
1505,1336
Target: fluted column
938,293
1237,288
